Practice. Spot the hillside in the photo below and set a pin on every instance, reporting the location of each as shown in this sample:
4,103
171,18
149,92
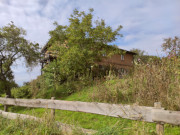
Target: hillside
103,124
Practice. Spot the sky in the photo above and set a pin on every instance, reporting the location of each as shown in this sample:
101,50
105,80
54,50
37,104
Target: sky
146,23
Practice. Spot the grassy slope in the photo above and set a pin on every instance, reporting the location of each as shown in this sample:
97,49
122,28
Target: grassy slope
96,122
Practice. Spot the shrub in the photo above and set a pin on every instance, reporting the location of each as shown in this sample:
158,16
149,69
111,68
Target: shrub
21,92
42,87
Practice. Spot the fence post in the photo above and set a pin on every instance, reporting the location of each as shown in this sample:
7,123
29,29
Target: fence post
159,125
52,110
6,106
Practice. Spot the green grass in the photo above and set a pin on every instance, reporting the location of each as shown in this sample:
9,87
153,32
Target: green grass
98,122
89,121
27,127
103,124
83,95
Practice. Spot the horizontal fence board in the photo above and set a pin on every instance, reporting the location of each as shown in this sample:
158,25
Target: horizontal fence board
133,112
13,116
165,116
115,110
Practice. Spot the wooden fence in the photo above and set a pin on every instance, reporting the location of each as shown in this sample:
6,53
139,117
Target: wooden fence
134,112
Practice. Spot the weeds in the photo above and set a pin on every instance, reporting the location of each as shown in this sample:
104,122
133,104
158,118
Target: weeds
157,81
28,127
113,91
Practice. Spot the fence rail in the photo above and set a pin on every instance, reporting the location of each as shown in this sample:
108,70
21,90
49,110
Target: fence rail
133,112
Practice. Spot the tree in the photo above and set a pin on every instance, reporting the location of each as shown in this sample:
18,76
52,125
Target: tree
143,57
80,44
14,46
172,46
138,52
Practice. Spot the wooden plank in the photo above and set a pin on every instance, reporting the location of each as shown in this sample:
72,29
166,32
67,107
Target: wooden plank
133,112
12,116
165,116
52,110
115,110
160,129
66,128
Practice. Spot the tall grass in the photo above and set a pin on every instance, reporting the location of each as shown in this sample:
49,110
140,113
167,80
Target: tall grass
45,126
113,91
157,81
28,127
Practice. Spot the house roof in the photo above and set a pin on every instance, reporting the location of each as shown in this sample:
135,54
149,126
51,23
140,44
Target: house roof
133,53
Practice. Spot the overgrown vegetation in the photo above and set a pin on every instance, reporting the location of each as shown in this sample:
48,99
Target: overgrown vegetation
157,81
143,56
28,127
21,92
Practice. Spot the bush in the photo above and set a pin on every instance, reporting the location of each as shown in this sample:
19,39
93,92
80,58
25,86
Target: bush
42,87
21,92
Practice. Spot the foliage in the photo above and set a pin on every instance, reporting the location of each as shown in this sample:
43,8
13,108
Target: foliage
38,86
14,46
138,52
42,87
8,84
21,92
142,56
172,46
78,46
65,89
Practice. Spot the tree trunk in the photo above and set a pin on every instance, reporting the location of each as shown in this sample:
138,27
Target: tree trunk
6,86
8,92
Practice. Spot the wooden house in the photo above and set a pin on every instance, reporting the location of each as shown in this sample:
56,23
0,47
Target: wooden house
121,62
